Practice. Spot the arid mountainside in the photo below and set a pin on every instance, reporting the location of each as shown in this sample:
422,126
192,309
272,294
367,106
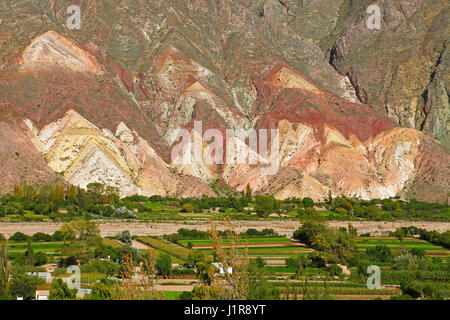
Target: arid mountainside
359,112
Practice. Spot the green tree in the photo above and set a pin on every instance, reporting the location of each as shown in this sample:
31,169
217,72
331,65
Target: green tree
30,254
101,291
308,202
265,205
60,291
19,237
125,238
194,257
188,207
83,231
4,267
23,285
164,265
205,272
248,193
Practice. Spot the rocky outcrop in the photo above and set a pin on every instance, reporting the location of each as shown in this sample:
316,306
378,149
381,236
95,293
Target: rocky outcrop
105,103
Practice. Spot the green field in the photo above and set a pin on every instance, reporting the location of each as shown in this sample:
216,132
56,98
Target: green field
243,240
162,245
171,295
395,244
46,247
279,251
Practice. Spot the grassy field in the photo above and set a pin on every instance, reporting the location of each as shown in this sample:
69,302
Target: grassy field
46,247
165,246
274,251
111,242
171,295
248,240
396,244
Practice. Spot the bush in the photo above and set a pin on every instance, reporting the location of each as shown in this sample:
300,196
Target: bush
413,289
101,292
69,261
125,238
58,236
19,237
381,253
407,261
334,270
40,236
101,266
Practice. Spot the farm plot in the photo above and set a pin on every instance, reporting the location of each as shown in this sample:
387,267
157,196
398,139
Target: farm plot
46,247
178,252
397,245
247,240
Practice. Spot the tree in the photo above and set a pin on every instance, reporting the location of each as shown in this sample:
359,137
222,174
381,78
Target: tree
40,258
188,207
125,238
407,261
205,272
261,289
101,291
80,230
334,270
260,263
19,237
234,258
164,265
59,194
4,267
413,289
60,291
308,202
264,205
30,254
23,285
133,289
194,257
40,236
400,233
17,191
381,253
248,193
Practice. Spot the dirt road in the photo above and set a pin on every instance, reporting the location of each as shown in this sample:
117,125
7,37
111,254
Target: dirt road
110,228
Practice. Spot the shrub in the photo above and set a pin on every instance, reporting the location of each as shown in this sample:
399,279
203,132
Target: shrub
101,292
334,270
101,266
58,236
40,236
19,237
125,238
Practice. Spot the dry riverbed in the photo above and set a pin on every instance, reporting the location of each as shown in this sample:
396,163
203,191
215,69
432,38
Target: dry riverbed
111,228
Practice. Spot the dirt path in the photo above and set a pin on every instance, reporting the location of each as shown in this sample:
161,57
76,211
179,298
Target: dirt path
174,288
139,245
111,228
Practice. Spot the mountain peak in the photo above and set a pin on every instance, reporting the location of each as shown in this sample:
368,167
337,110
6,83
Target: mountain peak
53,49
